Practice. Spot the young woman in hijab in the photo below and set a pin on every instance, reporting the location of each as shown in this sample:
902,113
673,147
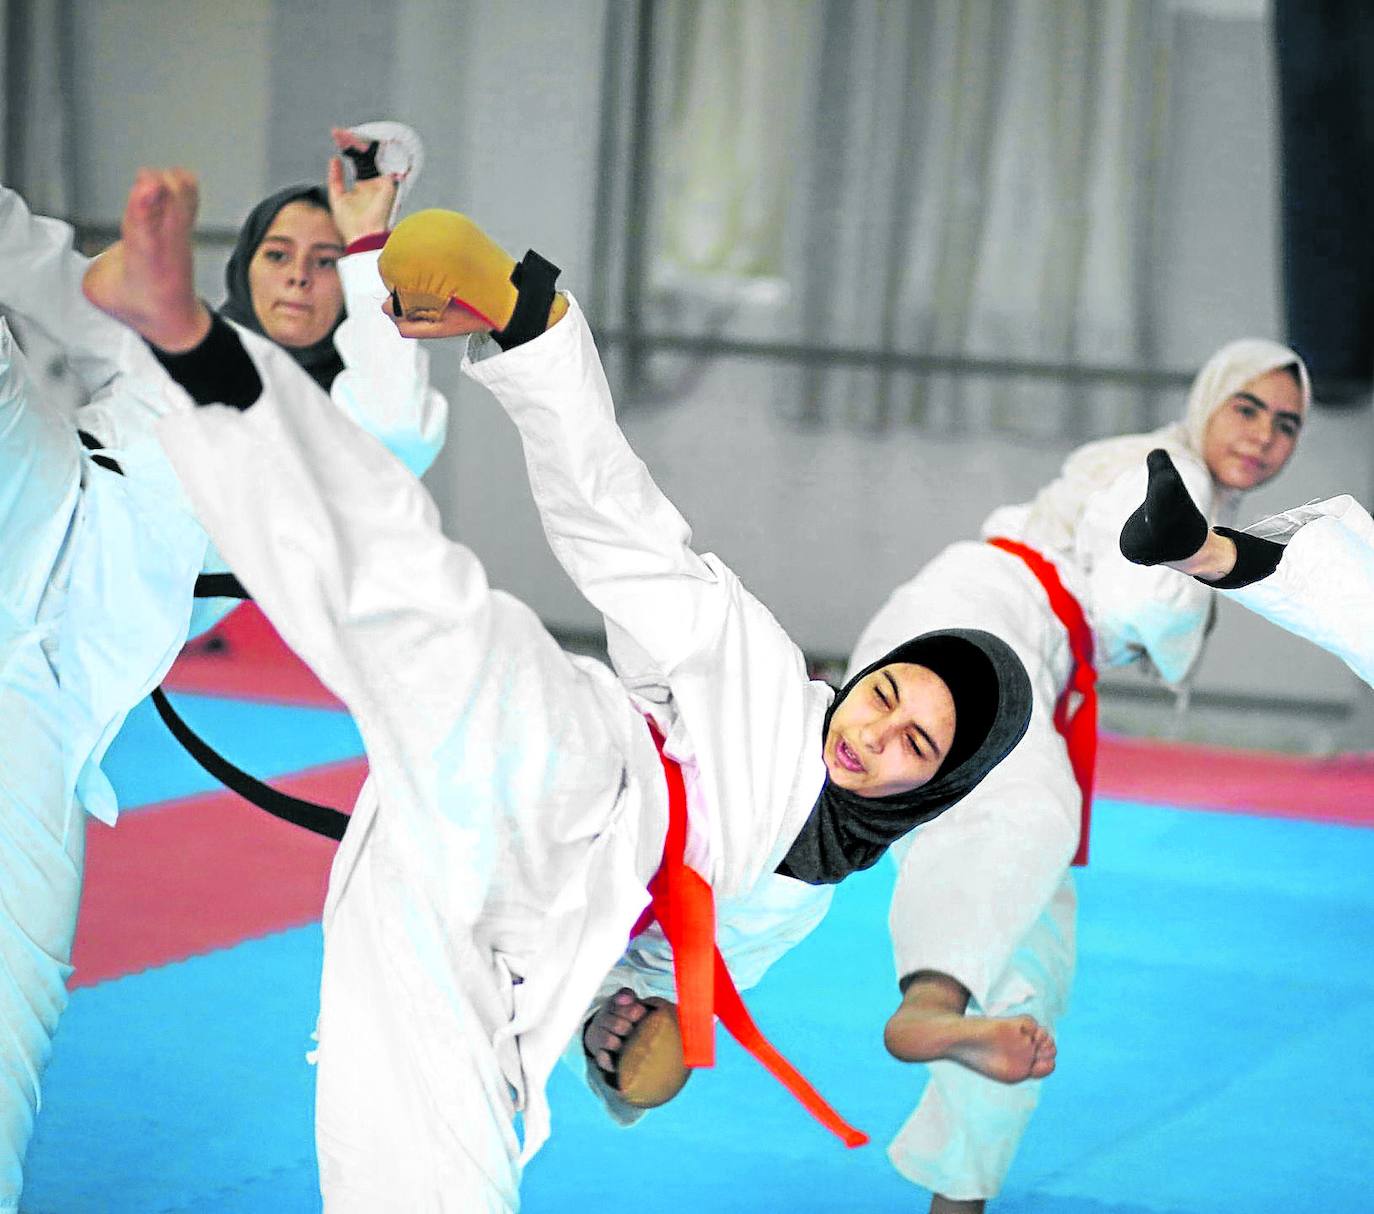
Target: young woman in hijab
524,804
98,558
983,913
1308,570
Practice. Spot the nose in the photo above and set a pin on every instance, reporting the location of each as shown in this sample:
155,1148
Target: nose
873,736
299,273
1268,431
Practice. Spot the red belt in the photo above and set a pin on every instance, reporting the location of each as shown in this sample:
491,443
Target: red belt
1079,729
684,906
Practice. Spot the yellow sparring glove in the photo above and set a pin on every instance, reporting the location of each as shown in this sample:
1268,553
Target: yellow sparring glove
650,1071
436,257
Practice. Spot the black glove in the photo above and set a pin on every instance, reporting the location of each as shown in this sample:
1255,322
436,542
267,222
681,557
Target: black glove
1167,526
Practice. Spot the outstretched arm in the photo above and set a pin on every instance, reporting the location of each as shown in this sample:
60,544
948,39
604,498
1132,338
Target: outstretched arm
385,385
1323,587
1319,585
1152,610
1168,529
681,625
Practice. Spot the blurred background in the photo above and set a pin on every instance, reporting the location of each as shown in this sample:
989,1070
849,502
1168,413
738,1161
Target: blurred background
862,269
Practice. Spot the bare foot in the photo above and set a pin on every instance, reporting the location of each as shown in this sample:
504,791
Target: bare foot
637,1044
606,1031
1008,1049
146,279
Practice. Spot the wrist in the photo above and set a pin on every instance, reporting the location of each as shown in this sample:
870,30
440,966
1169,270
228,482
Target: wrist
1214,560
367,243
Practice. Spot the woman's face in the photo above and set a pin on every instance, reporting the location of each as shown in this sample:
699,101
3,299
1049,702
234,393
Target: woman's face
891,732
294,277
1252,435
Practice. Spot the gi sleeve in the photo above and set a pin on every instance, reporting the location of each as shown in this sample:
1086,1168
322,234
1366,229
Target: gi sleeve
680,624
622,542
385,384
1154,610
40,480
40,280
1323,589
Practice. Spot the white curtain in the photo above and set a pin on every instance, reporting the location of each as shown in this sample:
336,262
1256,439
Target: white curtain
34,155
971,178
730,108
34,150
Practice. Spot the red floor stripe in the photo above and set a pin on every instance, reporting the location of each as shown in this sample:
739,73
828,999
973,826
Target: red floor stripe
1338,789
206,872
243,658
202,873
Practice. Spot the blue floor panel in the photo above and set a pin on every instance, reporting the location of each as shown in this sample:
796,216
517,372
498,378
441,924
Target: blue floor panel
174,1088
1216,1060
147,765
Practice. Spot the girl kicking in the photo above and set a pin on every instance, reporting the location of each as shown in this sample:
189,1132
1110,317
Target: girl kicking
525,805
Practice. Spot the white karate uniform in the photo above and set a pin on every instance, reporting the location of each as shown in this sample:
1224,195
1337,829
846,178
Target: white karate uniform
1323,588
516,806
983,892
96,575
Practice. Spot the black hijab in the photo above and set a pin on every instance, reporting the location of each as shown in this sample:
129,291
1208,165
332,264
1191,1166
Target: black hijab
846,832
320,361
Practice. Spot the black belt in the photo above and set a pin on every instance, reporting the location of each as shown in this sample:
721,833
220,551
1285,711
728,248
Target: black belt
322,819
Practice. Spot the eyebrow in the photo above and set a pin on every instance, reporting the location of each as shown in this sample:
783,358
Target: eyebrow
897,693
1296,418
319,244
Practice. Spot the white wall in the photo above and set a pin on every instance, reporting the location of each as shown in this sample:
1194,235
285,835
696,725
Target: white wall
820,524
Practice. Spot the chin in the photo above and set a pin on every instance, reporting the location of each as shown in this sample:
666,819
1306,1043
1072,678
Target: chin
294,338
1243,482
841,777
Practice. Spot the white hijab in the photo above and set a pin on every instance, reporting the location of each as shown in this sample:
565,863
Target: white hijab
1055,512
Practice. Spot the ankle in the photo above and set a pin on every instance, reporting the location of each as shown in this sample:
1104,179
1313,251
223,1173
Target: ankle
922,1034
178,332
1213,560
1251,560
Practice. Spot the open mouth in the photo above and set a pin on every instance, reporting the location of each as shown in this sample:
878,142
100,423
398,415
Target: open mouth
845,756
